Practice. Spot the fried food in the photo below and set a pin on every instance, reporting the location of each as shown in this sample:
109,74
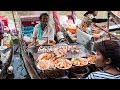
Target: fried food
43,65
91,59
45,56
79,61
60,52
63,63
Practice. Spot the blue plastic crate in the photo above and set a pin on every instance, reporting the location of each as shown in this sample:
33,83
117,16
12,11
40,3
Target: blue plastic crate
27,30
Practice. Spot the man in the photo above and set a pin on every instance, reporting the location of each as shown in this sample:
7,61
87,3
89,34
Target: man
43,29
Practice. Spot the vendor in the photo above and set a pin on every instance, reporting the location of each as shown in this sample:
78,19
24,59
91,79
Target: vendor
107,58
89,19
43,29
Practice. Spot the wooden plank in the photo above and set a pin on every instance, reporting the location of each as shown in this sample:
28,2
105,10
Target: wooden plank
32,72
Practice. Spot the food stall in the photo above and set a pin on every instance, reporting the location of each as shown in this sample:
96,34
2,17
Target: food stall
58,60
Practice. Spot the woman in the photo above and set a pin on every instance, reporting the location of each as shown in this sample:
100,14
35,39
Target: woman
107,58
43,29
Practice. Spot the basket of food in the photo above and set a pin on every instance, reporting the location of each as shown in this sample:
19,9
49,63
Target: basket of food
48,63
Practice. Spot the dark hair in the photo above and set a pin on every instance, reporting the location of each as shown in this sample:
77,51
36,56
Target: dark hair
43,14
109,49
0,62
89,12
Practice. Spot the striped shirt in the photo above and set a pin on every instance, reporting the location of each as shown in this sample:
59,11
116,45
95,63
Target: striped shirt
102,75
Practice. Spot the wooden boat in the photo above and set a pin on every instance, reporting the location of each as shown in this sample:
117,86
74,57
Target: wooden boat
30,55
115,29
29,64
116,16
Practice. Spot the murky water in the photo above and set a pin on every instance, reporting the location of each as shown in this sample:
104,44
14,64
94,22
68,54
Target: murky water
18,65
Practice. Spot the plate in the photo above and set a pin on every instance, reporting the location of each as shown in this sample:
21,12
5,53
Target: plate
79,61
63,62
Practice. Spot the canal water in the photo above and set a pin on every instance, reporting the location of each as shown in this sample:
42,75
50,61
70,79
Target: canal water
18,65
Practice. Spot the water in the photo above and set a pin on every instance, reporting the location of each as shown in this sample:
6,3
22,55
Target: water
18,65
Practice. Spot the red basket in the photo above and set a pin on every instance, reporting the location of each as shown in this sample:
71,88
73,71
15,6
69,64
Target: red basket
4,19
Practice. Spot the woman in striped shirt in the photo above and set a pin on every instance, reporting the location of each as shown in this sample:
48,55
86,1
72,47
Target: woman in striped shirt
108,58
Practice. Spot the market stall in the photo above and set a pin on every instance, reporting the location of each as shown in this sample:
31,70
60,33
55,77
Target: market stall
57,60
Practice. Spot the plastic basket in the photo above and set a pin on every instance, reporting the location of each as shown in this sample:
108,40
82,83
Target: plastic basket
28,30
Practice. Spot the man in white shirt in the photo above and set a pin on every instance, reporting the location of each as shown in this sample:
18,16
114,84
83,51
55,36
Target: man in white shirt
43,29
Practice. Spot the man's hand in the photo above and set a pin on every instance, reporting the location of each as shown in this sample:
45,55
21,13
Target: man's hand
96,36
111,20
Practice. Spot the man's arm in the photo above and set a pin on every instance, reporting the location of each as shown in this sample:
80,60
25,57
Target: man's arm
51,33
99,20
35,33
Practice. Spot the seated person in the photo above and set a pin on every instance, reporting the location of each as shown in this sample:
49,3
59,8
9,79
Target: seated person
88,21
43,29
107,58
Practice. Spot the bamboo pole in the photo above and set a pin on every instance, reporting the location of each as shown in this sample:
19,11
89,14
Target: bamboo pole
14,21
16,31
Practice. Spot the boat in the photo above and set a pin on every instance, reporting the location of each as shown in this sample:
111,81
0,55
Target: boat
115,28
6,55
6,49
30,54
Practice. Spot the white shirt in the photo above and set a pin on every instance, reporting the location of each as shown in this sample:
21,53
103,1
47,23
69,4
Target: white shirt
47,32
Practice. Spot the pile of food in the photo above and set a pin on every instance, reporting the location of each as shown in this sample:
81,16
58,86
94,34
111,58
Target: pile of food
45,61
62,63
43,49
74,49
79,61
91,58
60,51
50,61
71,29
